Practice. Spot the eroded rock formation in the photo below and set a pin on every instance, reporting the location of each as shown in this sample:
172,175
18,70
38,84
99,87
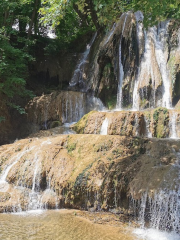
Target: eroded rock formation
83,171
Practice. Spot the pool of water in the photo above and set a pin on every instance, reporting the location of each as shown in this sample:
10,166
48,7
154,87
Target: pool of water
57,225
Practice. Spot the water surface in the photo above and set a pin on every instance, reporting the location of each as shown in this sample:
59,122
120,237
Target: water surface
57,225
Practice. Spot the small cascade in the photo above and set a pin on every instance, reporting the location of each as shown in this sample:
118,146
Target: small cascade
94,103
121,70
73,107
148,130
162,211
110,34
46,114
78,76
3,183
104,127
34,196
172,123
136,125
161,208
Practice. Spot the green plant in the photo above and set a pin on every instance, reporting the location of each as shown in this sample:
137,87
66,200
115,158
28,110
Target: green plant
71,147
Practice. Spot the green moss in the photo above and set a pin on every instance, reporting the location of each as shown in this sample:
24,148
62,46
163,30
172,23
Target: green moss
157,112
80,126
71,147
55,124
161,120
82,178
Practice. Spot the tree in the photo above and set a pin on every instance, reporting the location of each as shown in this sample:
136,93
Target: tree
155,11
14,55
101,13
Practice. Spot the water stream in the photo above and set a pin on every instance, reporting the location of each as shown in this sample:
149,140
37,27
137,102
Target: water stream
121,70
173,121
79,73
104,127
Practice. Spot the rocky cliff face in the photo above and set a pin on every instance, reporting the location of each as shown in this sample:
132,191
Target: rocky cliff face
81,171
142,65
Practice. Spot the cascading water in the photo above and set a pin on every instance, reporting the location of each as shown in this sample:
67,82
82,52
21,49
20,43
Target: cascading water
73,107
148,130
104,127
160,38
173,121
121,70
161,210
139,30
3,183
110,34
155,50
78,76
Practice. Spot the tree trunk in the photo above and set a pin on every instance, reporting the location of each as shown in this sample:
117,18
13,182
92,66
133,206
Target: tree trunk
93,14
33,18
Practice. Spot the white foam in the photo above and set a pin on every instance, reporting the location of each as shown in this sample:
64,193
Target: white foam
154,234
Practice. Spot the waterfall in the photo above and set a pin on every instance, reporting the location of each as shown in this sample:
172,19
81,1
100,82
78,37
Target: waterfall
148,130
155,51
110,34
73,107
104,127
161,209
121,70
139,29
173,121
14,160
78,76
136,125
160,37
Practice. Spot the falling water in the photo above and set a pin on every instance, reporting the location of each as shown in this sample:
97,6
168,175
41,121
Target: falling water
110,34
162,209
139,29
34,196
173,120
73,107
104,127
160,37
148,130
79,72
14,160
121,70
155,41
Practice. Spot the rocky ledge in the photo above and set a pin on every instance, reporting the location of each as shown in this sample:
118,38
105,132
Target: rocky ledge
84,171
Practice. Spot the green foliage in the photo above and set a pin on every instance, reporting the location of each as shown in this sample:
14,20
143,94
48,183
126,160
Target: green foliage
71,147
156,11
13,69
101,13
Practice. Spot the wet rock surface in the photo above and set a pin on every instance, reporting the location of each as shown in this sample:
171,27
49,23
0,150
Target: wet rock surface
83,171
159,122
